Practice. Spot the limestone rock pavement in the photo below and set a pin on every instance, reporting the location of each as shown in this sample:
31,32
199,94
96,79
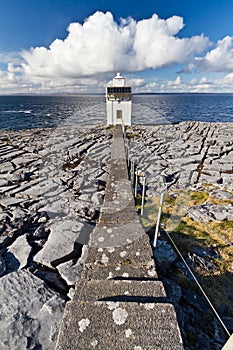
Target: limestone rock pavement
49,202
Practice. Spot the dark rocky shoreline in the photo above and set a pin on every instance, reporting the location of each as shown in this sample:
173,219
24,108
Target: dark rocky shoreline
52,184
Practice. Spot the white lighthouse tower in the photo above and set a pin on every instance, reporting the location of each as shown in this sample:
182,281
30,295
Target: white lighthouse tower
119,101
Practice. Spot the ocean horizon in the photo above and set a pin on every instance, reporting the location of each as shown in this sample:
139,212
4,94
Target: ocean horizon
41,111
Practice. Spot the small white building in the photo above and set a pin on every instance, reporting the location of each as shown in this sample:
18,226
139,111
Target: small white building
119,101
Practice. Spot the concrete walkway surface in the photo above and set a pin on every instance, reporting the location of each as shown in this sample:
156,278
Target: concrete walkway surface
119,303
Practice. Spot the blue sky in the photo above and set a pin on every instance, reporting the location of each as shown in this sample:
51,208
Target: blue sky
77,46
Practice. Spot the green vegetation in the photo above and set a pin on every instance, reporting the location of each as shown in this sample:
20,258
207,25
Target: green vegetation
225,228
188,234
198,198
218,282
138,202
131,135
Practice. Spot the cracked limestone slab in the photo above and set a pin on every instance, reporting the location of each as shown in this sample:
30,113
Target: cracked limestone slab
211,212
62,238
30,312
20,250
71,271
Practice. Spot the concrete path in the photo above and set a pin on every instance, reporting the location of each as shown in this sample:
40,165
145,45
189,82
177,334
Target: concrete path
119,303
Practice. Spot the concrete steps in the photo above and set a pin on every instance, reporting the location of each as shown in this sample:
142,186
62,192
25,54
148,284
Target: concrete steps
132,259
119,326
130,290
119,314
137,253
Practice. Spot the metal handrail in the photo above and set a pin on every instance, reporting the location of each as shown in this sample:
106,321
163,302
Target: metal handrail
199,285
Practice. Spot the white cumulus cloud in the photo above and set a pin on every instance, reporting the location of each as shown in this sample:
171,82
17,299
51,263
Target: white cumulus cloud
175,82
219,59
86,59
101,45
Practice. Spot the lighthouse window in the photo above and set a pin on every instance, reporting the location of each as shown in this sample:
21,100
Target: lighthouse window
119,90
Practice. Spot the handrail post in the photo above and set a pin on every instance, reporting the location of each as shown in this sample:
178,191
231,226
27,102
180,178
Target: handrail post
127,152
136,184
158,219
143,193
138,173
132,172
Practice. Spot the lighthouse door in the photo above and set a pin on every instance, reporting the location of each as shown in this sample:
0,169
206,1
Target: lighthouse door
119,114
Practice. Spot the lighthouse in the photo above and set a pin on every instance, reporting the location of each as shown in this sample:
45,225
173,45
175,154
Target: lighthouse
119,101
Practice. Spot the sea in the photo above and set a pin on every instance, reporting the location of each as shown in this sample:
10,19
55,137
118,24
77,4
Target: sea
27,112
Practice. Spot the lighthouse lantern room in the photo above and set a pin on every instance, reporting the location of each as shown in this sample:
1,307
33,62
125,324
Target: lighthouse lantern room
119,101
